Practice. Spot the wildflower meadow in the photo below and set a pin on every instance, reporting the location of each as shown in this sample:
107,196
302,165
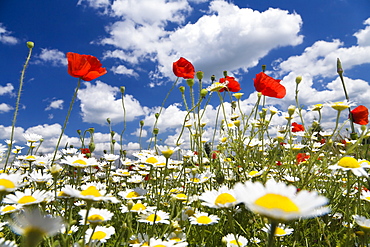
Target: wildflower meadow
301,185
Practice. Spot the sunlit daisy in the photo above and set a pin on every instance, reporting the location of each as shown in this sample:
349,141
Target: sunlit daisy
10,182
111,157
280,231
95,216
221,198
365,195
363,222
72,229
350,163
279,201
203,218
8,209
40,177
233,240
100,233
130,194
155,217
89,192
79,161
31,137
27,197
7,243
340,106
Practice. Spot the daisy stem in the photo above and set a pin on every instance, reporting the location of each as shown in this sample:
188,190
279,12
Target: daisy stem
10,145
66,120
124,117
273,227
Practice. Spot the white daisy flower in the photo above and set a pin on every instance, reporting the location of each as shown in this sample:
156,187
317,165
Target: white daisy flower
130,194
202,218
155,217
95,216
27,197
233,240
10,182
221,198
352,164
280,231
100,234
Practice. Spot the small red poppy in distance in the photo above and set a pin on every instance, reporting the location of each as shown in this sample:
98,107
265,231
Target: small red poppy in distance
300,157
86,67
297,127
269,86
360,115
183,68
232,85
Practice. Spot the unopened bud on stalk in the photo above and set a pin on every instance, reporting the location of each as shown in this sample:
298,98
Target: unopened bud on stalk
92,147
141,123
213,78
79,132
225,73
108,120
339,67
91,130
190,82
30,44
182,89
298,79
263,68
155,131
156,115
203,92
291,110
200,75
112,133
122,89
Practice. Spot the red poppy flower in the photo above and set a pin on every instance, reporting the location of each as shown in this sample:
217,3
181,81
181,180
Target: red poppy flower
302,157
86,67
232,85
360,115
183,68
297,127
269,86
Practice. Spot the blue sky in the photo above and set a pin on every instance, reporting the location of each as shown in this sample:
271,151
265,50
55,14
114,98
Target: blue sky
137,41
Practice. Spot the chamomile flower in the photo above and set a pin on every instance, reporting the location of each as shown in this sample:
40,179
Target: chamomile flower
8,209
7,243
280,231
89,192
281,202
111,157
95,216
363,222
79,161
40,177
221,198
155,217
350,163
232,240
203,218
130,194
99,234
31,137
365,195
27,197
10,182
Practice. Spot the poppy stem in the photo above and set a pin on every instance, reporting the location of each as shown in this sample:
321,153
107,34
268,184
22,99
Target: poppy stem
67,117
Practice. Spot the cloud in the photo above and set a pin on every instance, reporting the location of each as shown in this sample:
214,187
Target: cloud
6,89
5,108
5,36
363,36
56,104
99,101
53,56
226,38
122,70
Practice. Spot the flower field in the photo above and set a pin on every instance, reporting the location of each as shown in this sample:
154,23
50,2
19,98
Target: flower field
299,186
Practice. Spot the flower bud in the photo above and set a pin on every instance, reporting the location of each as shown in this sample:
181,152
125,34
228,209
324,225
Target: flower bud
79,132
108,120
155,131
190,82
92,146
339,67
263,68
291,110
225,73
200,75
298,79
182,89
112,133
141,123
156,115
122,89
213,78
30,44
91,130
238,95
203,92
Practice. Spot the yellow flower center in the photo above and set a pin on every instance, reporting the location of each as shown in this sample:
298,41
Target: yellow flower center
26,199
348,162
91,191
204,219
181,196
95,218
79,161
138,207
153,218
339,106
275,201
30,157
252,173
8,208
367,198
279,231
224,198
237,243
195,180
98,235
6,183
132,194
151,160
159,245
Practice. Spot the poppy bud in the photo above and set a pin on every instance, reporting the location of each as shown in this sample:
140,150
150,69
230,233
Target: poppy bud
156,115
225,73
200,75
213,78
30,44
91,130
190,82
298,79
203,92
122,89
113,141
182,89
155,131
141,123
339,67
112,133
108,120
79,132
263,68
233,104
92,147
